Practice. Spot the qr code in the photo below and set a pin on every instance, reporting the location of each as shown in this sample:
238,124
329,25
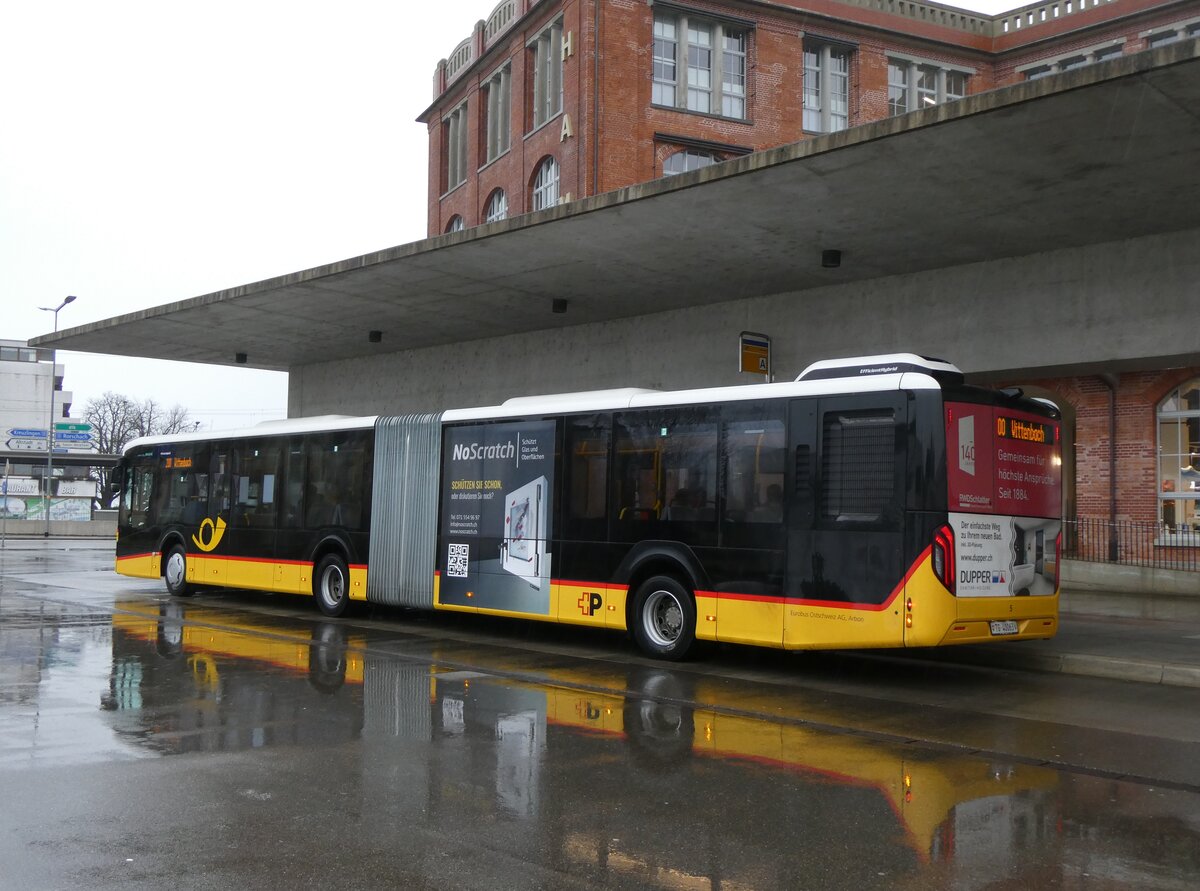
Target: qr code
456,562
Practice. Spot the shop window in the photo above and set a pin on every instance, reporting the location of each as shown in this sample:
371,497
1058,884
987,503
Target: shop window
1179,465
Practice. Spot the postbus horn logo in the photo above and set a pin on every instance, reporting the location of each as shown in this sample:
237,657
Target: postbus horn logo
215,532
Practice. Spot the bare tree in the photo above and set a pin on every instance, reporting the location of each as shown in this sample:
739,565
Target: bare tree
117,420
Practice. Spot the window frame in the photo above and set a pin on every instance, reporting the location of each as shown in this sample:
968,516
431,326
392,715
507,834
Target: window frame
544,188
916,87
686,154
496,208
818,56
545,74
454,147
497,114
1171,490
681,85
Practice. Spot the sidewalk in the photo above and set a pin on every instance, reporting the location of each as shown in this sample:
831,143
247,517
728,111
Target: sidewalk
1150,651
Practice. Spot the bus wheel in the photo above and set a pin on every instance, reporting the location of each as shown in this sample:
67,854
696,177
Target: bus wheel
175,572
664,618
331,585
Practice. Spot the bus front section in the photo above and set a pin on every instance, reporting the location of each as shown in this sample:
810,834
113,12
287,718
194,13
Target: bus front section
993,567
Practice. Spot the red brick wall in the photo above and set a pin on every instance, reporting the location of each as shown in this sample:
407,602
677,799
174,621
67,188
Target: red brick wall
1138,395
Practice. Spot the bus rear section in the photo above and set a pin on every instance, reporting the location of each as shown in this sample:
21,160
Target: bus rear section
993,567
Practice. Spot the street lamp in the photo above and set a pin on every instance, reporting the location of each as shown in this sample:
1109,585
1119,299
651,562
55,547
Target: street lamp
50,427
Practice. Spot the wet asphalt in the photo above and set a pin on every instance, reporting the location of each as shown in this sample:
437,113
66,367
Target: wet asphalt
236,739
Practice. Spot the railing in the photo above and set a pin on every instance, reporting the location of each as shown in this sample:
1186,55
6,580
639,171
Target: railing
462,56
1154,545
1028,16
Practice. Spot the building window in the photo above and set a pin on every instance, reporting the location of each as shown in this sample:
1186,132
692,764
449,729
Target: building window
1179,464
1077,59
682,162
456,224
454,139
714,57
826,88
897,88
664,61
497,207
497,122
545,185
913,85
955,85
546,65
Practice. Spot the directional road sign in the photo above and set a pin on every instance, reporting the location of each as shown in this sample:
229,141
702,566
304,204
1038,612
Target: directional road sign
74,428
28,445
27,433
61,436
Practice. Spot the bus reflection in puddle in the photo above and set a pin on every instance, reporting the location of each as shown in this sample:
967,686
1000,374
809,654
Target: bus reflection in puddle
637,781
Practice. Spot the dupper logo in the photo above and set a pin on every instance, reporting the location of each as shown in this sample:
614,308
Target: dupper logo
215,533
966,444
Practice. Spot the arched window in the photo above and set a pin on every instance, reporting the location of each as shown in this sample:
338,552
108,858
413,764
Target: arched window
545,185
456,224
497,207
1179,462
682,162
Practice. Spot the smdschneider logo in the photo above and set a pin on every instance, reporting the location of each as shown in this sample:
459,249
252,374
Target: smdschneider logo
966,444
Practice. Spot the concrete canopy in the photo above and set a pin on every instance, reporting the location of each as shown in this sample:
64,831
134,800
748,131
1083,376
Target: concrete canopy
1084,157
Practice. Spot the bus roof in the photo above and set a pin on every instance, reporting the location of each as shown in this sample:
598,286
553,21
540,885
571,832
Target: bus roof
318,424
608,400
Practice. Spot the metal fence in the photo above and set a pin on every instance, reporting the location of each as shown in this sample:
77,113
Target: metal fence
1133,544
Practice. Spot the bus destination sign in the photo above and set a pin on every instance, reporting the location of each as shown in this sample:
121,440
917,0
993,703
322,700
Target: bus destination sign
1024,430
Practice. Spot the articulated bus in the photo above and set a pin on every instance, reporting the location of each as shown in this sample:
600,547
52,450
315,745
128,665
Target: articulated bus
873,502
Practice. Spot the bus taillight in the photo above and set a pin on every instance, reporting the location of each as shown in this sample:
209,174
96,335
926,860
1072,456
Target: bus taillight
943,557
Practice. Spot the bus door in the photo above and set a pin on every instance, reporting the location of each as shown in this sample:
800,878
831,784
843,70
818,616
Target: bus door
846,520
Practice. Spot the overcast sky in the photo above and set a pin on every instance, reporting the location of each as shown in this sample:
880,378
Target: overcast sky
156,151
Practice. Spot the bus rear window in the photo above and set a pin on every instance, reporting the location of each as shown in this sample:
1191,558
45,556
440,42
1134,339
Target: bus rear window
1001,461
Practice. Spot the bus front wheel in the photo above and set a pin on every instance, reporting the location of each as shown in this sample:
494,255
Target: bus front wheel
331,585
664,618
175,572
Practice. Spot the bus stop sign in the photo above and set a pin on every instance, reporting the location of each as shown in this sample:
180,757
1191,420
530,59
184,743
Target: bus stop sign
754,354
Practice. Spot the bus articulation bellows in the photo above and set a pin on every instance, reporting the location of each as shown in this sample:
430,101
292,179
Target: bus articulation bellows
877,501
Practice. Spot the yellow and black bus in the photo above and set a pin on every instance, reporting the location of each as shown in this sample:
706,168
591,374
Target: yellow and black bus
873,502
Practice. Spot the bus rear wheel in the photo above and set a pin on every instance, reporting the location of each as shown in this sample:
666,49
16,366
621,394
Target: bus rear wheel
175,572
664,618
331,585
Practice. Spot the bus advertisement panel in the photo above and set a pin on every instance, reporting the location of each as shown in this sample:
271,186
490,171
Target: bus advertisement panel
496,522
1004,471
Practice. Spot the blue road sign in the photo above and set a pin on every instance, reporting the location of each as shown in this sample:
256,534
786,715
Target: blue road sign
61,436
22,433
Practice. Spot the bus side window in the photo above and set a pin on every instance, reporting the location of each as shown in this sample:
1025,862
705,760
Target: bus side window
257,500
753,471
858,466
293,494
587,477
141,487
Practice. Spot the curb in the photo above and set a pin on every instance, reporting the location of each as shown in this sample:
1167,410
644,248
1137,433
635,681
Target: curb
1142,671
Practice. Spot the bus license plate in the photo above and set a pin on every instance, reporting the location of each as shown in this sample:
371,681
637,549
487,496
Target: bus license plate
1007,627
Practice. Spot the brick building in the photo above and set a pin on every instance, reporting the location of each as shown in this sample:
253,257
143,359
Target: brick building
554,100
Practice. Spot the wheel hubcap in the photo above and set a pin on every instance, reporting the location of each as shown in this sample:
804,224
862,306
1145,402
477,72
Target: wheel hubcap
175,569
663,618
334,586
